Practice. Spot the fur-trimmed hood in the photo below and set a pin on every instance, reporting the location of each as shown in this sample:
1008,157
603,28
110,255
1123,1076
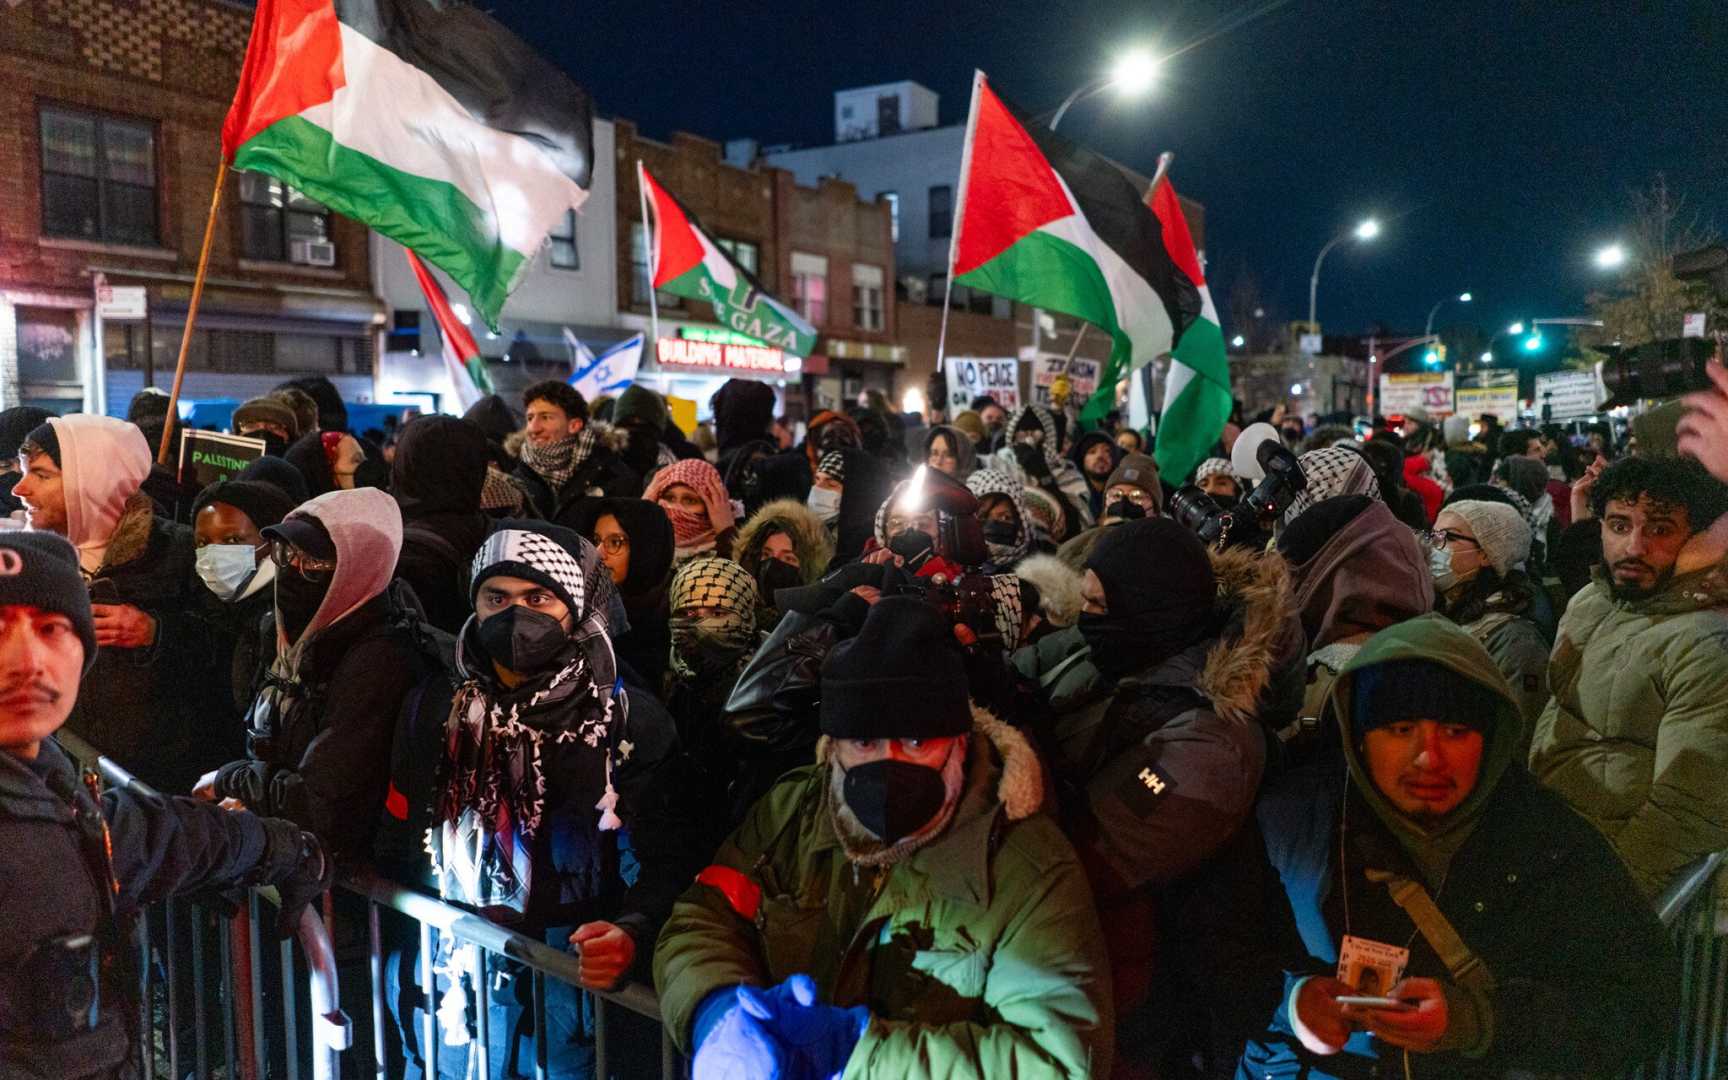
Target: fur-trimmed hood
1020,783
810,538
1262,639
1058,586
131,536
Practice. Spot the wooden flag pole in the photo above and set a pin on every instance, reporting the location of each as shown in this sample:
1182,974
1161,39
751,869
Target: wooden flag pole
192,314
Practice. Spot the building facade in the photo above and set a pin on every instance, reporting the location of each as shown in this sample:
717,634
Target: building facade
110,114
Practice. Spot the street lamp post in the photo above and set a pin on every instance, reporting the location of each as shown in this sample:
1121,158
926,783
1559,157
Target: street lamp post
1428,330
1367,230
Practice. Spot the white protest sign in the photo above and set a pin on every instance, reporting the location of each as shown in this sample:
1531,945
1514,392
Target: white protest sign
970,376
1401,393
1082,377
1493,391
1693,326
1568,394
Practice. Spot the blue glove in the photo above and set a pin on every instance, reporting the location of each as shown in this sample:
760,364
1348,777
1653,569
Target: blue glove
820,1038
734,1045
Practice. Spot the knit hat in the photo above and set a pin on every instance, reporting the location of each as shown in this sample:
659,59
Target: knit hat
1527,476
41,569
16,423
639,404
902,677
533,551
1501,531
1214,466
1456,428
1139,470
277,473
264,504
268,410
833,466
972,424
1400,690
1156,570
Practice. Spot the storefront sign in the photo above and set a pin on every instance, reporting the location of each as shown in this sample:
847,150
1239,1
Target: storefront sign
970,376
119,303
715,334
1401,393
209,456
1562,395
717,356
1082,377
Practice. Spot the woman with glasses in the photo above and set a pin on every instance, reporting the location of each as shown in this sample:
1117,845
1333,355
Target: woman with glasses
636,543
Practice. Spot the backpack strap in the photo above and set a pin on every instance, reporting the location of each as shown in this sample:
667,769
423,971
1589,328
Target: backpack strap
1465,966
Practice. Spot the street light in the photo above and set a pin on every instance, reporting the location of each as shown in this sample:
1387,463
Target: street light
1132,75
1462,298
1486,359
1238,341
1367,230
1610,257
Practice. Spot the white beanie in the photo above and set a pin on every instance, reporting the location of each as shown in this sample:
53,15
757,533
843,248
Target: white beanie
1501,532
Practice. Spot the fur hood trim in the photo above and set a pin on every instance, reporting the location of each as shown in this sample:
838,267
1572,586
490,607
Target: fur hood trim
131,536
612,437
1021,785
1058,586
810,538
1254,588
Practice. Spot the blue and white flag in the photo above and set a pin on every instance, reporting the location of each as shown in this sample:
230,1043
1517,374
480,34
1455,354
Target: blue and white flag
609,372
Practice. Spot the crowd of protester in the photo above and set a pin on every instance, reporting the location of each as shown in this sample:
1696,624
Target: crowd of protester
903,749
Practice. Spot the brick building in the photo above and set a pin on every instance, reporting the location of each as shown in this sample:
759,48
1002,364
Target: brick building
817,248
109,118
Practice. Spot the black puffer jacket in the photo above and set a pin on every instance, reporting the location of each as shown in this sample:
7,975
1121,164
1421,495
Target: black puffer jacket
604,473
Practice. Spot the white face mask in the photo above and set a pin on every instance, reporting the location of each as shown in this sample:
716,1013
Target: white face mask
1440,565
825,504
225,567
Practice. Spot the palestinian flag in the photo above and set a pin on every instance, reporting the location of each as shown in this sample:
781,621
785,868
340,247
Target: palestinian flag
1051,224
462,360
431,124
1197,397
685,261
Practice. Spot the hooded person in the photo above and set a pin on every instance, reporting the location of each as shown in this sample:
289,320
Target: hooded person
270,419
321,725
950,450
15,424
866,488
743,412
82,478
1096,455
919,835
1153,714
784,545
695,500
1033,452
1477,553
278,474
635,542
327,461
642,416
1003,512
1334,471
1387,460
437,477
1355,569
238,580
1425,853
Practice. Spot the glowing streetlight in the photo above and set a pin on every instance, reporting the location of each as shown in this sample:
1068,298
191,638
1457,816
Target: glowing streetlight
1465,298
1134,72
1515,329
1367,230
1238,341
1462,298
1486,358
1610,257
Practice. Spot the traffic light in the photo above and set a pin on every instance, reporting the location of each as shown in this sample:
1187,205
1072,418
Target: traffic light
1534,342
1436,357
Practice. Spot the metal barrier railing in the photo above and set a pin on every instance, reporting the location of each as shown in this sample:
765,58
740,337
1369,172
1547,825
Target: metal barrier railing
1695,1048
262,1024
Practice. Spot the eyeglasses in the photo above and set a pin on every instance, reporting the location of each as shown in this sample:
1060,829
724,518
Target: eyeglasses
1439,538
615,543
288,557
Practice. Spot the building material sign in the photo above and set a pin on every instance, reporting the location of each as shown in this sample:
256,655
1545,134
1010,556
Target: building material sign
970,376
726,356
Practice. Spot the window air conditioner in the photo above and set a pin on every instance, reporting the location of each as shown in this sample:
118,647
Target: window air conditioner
313,252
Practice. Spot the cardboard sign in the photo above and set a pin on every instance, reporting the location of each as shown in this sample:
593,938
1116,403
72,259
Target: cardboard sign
209,456
1568,394
1082,377
969,376
1401,393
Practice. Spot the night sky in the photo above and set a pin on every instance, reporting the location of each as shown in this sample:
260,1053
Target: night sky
1496,141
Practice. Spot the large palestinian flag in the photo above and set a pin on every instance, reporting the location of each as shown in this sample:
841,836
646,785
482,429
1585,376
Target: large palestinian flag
1049,223
1197,397
433,125
686,261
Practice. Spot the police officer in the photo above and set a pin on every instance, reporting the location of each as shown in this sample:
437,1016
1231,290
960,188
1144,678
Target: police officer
75,869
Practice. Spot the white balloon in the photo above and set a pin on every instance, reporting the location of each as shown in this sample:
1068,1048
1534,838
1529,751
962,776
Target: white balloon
1244,456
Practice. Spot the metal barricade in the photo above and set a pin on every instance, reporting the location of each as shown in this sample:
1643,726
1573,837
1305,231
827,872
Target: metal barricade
1688,908
260,1010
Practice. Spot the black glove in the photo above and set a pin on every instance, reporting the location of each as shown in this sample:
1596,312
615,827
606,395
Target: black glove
296,863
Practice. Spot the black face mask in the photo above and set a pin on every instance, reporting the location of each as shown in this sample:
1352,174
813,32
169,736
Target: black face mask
523,640
274,444
297,599
774,574
913,545
894,799
1005,533
1120,646
1125,509
643,449
372,473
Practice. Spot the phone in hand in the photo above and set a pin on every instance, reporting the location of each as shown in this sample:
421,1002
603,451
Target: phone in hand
1367,1002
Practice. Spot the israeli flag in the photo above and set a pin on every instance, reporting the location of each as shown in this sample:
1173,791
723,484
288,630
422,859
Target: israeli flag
609,372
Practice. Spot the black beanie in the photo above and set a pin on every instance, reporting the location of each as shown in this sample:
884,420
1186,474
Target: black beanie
265,504
45,437
41,569
278,474
902,677
1397,690
1155,567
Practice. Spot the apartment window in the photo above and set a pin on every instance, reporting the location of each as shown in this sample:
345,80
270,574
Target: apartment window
745,253
810,287
867,310
98,177
941,211
563,253
640,279
278,224
893,198
938,290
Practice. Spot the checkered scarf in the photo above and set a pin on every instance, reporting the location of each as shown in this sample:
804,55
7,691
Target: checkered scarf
996,482
712,582
557,462
833,465
502,492
1334,471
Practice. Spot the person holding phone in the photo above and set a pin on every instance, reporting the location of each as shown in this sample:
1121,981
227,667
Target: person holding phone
1427,830
82,478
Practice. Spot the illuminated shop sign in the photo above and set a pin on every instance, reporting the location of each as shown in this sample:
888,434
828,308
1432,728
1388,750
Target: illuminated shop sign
726,356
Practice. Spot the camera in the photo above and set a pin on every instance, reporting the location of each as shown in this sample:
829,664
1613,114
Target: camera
1656,369
1217,525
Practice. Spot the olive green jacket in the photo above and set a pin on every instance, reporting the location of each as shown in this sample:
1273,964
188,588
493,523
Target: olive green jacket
978,955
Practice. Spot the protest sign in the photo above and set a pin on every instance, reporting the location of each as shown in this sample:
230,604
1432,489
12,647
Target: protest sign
969,376
1082,377
1423,390
1493,391
1564,395
209,456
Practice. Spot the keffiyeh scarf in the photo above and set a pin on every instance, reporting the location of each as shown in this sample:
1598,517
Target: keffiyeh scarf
557,462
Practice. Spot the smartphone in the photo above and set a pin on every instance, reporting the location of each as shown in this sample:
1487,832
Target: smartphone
1395,1004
